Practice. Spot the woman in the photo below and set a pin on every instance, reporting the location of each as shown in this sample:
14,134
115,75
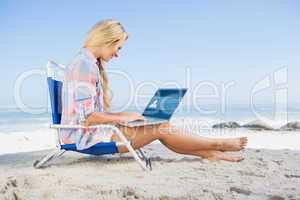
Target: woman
85,98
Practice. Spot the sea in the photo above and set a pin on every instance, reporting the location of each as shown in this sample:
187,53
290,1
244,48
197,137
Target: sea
23,131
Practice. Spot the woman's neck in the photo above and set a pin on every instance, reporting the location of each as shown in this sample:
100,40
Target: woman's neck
93,51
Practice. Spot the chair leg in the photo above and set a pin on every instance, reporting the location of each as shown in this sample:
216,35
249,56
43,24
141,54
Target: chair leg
136,157
131,150
146,158
52,155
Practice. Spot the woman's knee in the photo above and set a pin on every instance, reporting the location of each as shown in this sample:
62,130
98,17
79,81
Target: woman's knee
126,131
165,129
158,131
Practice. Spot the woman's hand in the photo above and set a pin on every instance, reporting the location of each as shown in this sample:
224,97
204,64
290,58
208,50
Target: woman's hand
85,123
130,116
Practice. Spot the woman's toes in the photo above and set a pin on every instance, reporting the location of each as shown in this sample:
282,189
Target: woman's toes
231,158
218,155
243,141
234,159
234,144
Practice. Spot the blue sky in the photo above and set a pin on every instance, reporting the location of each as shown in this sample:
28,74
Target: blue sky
220,41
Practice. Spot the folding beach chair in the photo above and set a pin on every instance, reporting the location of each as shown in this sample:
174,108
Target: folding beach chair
54,79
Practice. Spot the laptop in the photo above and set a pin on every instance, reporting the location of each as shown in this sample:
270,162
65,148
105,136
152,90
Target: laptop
160,108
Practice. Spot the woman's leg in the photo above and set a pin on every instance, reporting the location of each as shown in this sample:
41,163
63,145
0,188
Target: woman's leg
172,137
209,154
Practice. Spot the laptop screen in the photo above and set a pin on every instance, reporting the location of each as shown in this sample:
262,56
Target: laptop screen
164,103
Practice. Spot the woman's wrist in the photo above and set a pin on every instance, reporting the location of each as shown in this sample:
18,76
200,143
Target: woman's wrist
106,117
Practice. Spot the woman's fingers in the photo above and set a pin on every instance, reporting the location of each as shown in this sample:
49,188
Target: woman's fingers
131,116
141,117
85,123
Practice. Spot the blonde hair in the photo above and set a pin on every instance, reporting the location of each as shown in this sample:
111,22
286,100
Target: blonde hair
105,33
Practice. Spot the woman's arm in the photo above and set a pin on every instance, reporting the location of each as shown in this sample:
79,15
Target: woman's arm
122,113
106,117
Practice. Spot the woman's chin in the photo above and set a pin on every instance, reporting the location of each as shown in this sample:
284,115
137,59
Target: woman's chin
107,60
104,60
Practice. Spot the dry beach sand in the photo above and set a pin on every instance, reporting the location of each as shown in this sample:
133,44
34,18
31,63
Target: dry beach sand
264,174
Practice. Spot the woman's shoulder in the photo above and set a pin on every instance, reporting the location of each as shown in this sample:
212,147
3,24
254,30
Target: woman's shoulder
82,63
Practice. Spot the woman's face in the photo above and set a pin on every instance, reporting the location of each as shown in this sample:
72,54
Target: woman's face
109,52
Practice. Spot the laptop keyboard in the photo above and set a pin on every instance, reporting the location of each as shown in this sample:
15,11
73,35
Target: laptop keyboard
146,120
152,119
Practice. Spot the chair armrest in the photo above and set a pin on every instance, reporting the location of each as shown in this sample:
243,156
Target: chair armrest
67,126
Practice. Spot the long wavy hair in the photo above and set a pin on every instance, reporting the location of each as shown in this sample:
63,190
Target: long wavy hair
105,33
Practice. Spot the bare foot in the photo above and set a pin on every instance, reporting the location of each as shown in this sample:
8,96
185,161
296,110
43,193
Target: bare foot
233,144
218,155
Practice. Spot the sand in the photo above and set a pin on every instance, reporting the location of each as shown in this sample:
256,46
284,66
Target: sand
264,174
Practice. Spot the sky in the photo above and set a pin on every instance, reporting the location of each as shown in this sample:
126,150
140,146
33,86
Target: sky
202,45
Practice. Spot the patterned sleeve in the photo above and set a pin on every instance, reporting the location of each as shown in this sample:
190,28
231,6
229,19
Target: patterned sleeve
84,88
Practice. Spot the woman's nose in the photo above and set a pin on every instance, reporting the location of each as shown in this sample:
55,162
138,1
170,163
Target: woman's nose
116,55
